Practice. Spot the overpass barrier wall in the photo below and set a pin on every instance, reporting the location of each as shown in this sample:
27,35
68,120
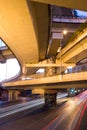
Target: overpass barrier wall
74,76
54,79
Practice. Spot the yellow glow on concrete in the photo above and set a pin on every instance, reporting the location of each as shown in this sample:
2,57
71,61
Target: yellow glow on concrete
12,95
17,29
38,91
49,65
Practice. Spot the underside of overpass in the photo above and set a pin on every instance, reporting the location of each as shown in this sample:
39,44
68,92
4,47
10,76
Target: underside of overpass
33,34
50,86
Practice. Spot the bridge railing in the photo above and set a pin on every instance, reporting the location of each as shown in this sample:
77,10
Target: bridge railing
74,76
78,70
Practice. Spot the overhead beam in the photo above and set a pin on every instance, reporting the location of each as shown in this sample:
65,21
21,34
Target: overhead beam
80,84
75,47
41,18
48,65
78,4
70,45
75,51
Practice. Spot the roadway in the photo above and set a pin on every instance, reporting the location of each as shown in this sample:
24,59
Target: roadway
68,114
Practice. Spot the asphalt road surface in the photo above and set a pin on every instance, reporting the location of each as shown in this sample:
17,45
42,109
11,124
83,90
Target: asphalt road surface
68,114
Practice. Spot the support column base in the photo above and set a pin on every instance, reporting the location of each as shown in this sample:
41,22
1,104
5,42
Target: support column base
50,98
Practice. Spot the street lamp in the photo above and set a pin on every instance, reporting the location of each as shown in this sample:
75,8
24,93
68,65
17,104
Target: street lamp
64,32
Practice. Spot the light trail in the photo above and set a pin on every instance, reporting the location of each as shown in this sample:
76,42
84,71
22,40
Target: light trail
23,106
20,107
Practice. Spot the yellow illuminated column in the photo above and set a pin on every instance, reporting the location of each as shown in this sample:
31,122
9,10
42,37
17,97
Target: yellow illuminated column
13,95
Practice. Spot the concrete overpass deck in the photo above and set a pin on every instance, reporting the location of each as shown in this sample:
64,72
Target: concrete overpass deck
76,80
27,35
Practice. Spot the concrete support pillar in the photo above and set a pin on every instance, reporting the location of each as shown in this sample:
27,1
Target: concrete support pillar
24,71
38,91
50,98
50,71
13,95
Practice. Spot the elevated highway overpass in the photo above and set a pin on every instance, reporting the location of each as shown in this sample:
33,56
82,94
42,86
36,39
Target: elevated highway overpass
26,30
48,86
76,50
59,81
27,33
